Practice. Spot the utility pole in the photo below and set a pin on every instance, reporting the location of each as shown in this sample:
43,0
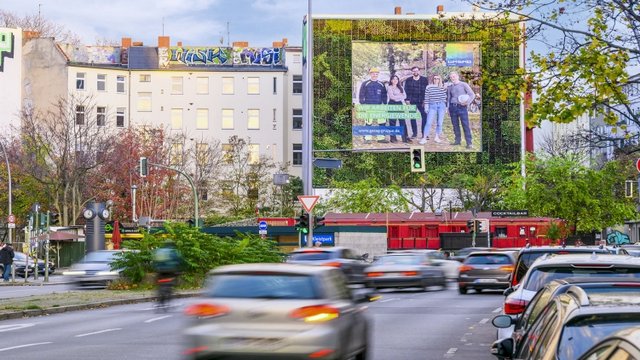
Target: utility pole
46,249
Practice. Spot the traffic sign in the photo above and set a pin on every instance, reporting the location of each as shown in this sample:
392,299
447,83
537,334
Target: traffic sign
638,164
308,201
262,225
11,219
262,232
11,225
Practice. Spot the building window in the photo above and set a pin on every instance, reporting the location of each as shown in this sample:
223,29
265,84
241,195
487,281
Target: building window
253,85
227,119
176,154
297,84
80,81
275,85
120,84
145,78
120,117
297,119
253,119
101,115
102,82
296,58
227,151
297,154
254,153
79,115
176,119
202,85
144,101
176,85
227,86
202,119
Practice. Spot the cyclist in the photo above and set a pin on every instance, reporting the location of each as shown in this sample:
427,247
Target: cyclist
167,263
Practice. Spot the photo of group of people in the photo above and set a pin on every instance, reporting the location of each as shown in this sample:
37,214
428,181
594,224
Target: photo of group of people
408,94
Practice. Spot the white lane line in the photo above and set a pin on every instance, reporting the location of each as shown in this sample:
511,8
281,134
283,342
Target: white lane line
4,328
157,318
99,332
497,310
25,345
387,300
483,321
451,351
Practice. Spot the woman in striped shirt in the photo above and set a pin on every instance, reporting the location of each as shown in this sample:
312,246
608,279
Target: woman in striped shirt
435,100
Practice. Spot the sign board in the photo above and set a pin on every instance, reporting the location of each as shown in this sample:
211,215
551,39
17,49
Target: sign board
638,164
262,232
11,219
510,213
308,201
262,225
11,225
325,239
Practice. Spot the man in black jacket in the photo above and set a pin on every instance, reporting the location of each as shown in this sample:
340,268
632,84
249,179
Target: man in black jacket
6,259
415,86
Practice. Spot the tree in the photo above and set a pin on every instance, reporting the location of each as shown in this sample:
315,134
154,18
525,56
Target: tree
35,22
364,196
590,44
587,199
477,192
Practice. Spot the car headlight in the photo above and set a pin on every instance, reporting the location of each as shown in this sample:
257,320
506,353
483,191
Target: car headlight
74,272
107,273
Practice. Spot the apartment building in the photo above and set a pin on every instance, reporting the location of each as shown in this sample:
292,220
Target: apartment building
10,77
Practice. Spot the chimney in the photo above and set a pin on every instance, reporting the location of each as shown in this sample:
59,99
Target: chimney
30,34
285,41
179,43
440,9
277,44
397,10
240,44
126,42
164,42
137,43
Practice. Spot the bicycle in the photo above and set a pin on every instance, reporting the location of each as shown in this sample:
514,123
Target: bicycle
165,284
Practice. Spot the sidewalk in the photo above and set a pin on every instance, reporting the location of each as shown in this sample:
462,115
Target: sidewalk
54,279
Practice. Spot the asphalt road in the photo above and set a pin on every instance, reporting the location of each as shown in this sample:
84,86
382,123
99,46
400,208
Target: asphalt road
407,325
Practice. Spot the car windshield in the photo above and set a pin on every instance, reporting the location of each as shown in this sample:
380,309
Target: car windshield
310,255
542,275
399,260
494,259
99,256
19,256
262,286
582,333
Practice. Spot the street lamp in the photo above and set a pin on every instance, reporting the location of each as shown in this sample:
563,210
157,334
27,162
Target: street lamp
6,159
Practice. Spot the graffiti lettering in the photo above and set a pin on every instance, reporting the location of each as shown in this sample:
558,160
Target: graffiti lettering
200,56
258,56
6,47
223,56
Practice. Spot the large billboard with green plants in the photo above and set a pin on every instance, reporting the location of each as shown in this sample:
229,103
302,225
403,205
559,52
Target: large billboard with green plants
409,93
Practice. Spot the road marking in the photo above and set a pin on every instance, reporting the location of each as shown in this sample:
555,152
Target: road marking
157,318
25,345
465,336
387,300
483,321
4,328
99,332
497,310
450,353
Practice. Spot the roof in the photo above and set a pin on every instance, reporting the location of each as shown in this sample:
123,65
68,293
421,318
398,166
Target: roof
274,267
419,217
143,57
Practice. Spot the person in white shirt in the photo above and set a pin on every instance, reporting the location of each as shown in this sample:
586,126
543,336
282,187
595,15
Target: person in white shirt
435,100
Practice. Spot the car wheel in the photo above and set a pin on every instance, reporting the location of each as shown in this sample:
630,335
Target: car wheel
479,290
462,290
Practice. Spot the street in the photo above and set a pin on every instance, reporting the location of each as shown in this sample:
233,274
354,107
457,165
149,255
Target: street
407,325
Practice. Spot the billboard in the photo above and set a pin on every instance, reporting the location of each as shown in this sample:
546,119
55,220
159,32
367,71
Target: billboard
416,93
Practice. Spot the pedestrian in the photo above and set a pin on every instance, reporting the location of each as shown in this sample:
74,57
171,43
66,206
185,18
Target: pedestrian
435,100
459,96
373,92
6,259
415,87
317,244
396,97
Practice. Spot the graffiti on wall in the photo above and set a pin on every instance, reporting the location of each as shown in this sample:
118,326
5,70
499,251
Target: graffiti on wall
92,54
6,47
225,56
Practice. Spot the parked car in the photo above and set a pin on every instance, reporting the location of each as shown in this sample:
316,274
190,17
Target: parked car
485,270
20,262
346,259
589,285
552,267
403,270
95,269
625,344
570,324
278,311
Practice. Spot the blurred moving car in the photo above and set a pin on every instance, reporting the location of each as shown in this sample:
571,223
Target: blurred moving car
278,311
95,269
625,344
436,257
401,270
460,255
340,257
570,324
20,264
485,270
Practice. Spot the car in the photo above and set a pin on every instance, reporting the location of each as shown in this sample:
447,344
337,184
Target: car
622,345
402,270
570,324
589,285
278,311
527,255
552,267
485,270
460,255
436,257
20,262
340,257
95,269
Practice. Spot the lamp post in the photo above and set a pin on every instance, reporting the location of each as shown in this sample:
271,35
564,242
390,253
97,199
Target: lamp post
133,203
6,159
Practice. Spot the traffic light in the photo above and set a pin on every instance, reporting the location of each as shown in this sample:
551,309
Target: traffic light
318,221
471,225
417,158
54,218
144,170
482,226
303,223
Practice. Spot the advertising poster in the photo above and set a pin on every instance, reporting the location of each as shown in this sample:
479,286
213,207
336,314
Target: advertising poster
409,94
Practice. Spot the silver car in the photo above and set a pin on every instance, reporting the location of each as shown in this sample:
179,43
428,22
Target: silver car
95,269
401,270
277,311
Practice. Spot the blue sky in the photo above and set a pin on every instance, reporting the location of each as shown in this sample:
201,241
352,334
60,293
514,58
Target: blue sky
203,22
